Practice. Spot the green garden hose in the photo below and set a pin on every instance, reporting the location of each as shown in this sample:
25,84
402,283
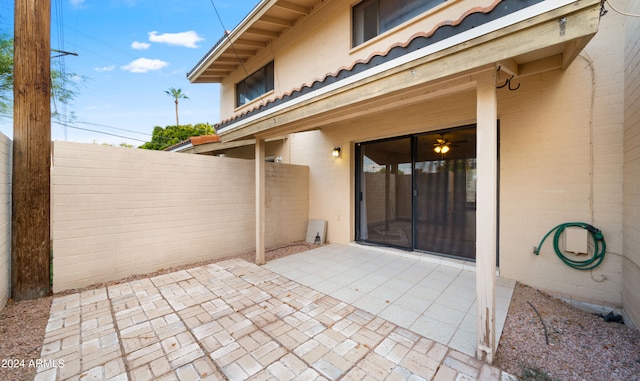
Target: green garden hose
587,264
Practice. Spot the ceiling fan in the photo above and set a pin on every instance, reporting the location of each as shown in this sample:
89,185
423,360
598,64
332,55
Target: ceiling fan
442,145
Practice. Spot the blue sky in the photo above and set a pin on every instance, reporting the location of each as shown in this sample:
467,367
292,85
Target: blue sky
129,53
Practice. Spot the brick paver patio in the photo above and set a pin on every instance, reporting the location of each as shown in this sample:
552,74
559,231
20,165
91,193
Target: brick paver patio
237,321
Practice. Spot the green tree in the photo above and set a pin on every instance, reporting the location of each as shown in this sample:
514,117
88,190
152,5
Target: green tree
176,94
61,91
162,138
6,73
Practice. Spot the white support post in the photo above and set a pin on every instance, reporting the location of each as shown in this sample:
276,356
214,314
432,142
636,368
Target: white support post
260,201
486,214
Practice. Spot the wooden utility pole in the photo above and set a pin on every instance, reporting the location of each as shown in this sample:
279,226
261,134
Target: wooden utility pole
30,228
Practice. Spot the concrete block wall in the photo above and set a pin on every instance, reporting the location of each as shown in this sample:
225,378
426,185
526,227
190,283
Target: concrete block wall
631,261
118,212
287,203
6,161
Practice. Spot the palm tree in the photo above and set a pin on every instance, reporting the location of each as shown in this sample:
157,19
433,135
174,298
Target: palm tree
176,94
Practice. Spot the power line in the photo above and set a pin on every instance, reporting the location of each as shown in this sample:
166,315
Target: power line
61,109
113,128
98,132
226,33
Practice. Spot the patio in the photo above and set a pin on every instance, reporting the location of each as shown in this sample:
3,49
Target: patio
429,295
332,315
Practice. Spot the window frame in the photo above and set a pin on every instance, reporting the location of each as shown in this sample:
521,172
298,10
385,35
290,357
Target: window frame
385,21
264,82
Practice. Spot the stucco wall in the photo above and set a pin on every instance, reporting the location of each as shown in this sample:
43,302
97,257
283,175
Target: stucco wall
5,218
554,167
328,30
631,264
118,212
331,181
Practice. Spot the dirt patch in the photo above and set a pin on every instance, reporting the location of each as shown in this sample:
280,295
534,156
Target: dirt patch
22,326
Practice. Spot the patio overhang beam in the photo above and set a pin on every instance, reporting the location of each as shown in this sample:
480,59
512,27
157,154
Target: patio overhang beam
220,146
552,43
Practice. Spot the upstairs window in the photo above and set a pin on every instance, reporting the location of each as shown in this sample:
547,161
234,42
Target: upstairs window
374,17
255,85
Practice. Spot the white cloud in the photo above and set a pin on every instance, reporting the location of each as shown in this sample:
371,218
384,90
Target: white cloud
105,68
77,3
140,45
144,65
187,39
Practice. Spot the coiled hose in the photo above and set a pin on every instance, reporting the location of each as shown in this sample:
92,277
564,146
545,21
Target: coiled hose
587,264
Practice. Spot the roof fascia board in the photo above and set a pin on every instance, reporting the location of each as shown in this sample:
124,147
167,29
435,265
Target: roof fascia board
229,38
484,29
181,148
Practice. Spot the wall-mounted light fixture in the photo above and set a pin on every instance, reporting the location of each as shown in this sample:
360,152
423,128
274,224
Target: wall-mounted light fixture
336,152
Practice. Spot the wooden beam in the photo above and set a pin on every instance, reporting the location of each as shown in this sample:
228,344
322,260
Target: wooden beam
222,67
209,79
486,214
293,7
239,53
403,98
260,201
31,190
216,73
251,43
262,32
572,49
230,59
509,66
221,146
276,21
541,65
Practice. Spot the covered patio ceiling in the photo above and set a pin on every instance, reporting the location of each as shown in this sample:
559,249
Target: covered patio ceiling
521,45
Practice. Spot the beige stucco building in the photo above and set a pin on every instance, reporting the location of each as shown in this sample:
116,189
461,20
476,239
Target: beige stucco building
465,128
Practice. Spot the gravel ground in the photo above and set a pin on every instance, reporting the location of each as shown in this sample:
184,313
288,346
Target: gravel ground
581,346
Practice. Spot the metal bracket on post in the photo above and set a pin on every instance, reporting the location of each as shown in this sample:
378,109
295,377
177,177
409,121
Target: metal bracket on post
563,25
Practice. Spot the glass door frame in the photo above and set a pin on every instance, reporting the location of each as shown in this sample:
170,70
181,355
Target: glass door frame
359,193
414,142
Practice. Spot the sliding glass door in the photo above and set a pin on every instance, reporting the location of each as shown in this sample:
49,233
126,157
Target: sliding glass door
445,202
384,193
418,192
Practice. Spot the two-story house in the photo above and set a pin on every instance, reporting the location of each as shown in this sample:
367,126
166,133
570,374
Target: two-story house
461,128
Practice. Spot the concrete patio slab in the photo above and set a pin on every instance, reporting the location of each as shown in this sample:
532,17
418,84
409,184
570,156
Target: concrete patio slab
429,295
234,320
